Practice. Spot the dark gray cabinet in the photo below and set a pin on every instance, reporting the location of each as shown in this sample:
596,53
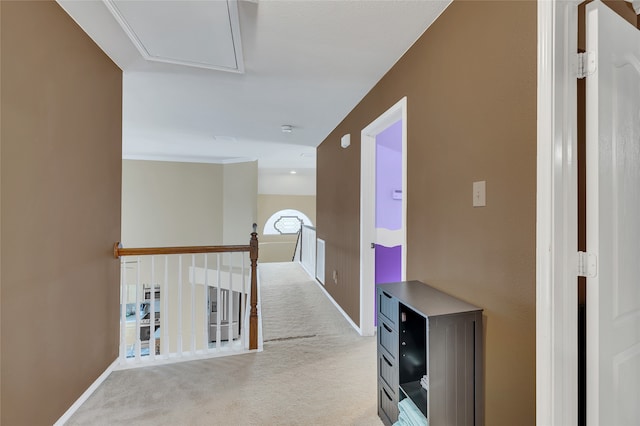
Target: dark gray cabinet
425,332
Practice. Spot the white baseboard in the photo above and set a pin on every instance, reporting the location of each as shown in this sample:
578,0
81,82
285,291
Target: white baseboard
344,314
306,269
83,398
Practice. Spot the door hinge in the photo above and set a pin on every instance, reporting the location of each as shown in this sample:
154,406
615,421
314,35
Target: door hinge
587,264
585,64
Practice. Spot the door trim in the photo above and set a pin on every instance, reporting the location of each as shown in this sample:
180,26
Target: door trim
556,231
367,208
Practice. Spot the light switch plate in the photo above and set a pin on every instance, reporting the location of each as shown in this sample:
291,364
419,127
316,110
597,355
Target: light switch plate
479,194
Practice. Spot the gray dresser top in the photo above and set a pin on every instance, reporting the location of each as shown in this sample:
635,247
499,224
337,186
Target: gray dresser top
426,299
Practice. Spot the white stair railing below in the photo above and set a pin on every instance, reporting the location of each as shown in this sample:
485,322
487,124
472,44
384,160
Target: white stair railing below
178,307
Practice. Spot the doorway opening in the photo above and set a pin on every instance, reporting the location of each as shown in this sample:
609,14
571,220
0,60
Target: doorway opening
383,212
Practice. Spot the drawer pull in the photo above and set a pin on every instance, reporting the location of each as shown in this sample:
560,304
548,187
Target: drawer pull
387,327
387,361
385,392
388,295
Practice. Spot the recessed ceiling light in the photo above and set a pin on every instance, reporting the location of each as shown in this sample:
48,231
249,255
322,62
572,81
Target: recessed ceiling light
286,128
293,172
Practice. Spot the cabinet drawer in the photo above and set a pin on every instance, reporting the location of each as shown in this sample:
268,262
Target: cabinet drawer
388,339
387,405
388,307
388,372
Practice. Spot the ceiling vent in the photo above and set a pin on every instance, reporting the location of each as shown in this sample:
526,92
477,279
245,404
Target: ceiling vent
202,34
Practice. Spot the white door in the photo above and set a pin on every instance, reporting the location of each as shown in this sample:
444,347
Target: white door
613,219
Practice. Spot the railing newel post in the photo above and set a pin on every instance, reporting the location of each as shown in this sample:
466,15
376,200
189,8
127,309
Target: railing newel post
116,250
253,317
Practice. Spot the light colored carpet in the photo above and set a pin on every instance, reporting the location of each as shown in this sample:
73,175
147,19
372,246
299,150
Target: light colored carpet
314,370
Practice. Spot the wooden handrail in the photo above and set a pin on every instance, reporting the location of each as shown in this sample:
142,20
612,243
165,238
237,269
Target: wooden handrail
118,250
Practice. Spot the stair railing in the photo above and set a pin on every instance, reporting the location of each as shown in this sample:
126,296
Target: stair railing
221,318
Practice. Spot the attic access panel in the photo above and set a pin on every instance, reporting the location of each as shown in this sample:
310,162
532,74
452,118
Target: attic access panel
203,34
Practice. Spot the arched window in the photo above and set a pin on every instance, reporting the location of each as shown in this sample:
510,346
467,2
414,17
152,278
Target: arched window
285,222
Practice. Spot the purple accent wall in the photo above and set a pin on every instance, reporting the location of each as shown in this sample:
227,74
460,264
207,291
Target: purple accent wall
388,264
389,177
388,269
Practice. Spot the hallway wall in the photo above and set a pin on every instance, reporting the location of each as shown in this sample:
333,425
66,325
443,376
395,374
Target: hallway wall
470,82
171,203
60,168
166,203
240,205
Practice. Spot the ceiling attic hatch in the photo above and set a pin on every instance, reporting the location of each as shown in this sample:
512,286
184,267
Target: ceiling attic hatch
202,34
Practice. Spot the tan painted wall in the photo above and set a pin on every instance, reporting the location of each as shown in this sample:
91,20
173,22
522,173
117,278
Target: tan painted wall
174,204
282,182
171,203
470,81
279,248
60,197
240,202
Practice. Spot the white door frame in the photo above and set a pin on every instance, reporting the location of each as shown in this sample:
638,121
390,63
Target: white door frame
556,233
367,208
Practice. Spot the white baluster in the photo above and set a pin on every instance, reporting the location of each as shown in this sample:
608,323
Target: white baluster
123,310
193,304
179,305
205,333
248,305
152,311
243,304
138,294
218,304
230,316
164,318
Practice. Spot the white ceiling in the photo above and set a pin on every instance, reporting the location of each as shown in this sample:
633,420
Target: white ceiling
304,63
